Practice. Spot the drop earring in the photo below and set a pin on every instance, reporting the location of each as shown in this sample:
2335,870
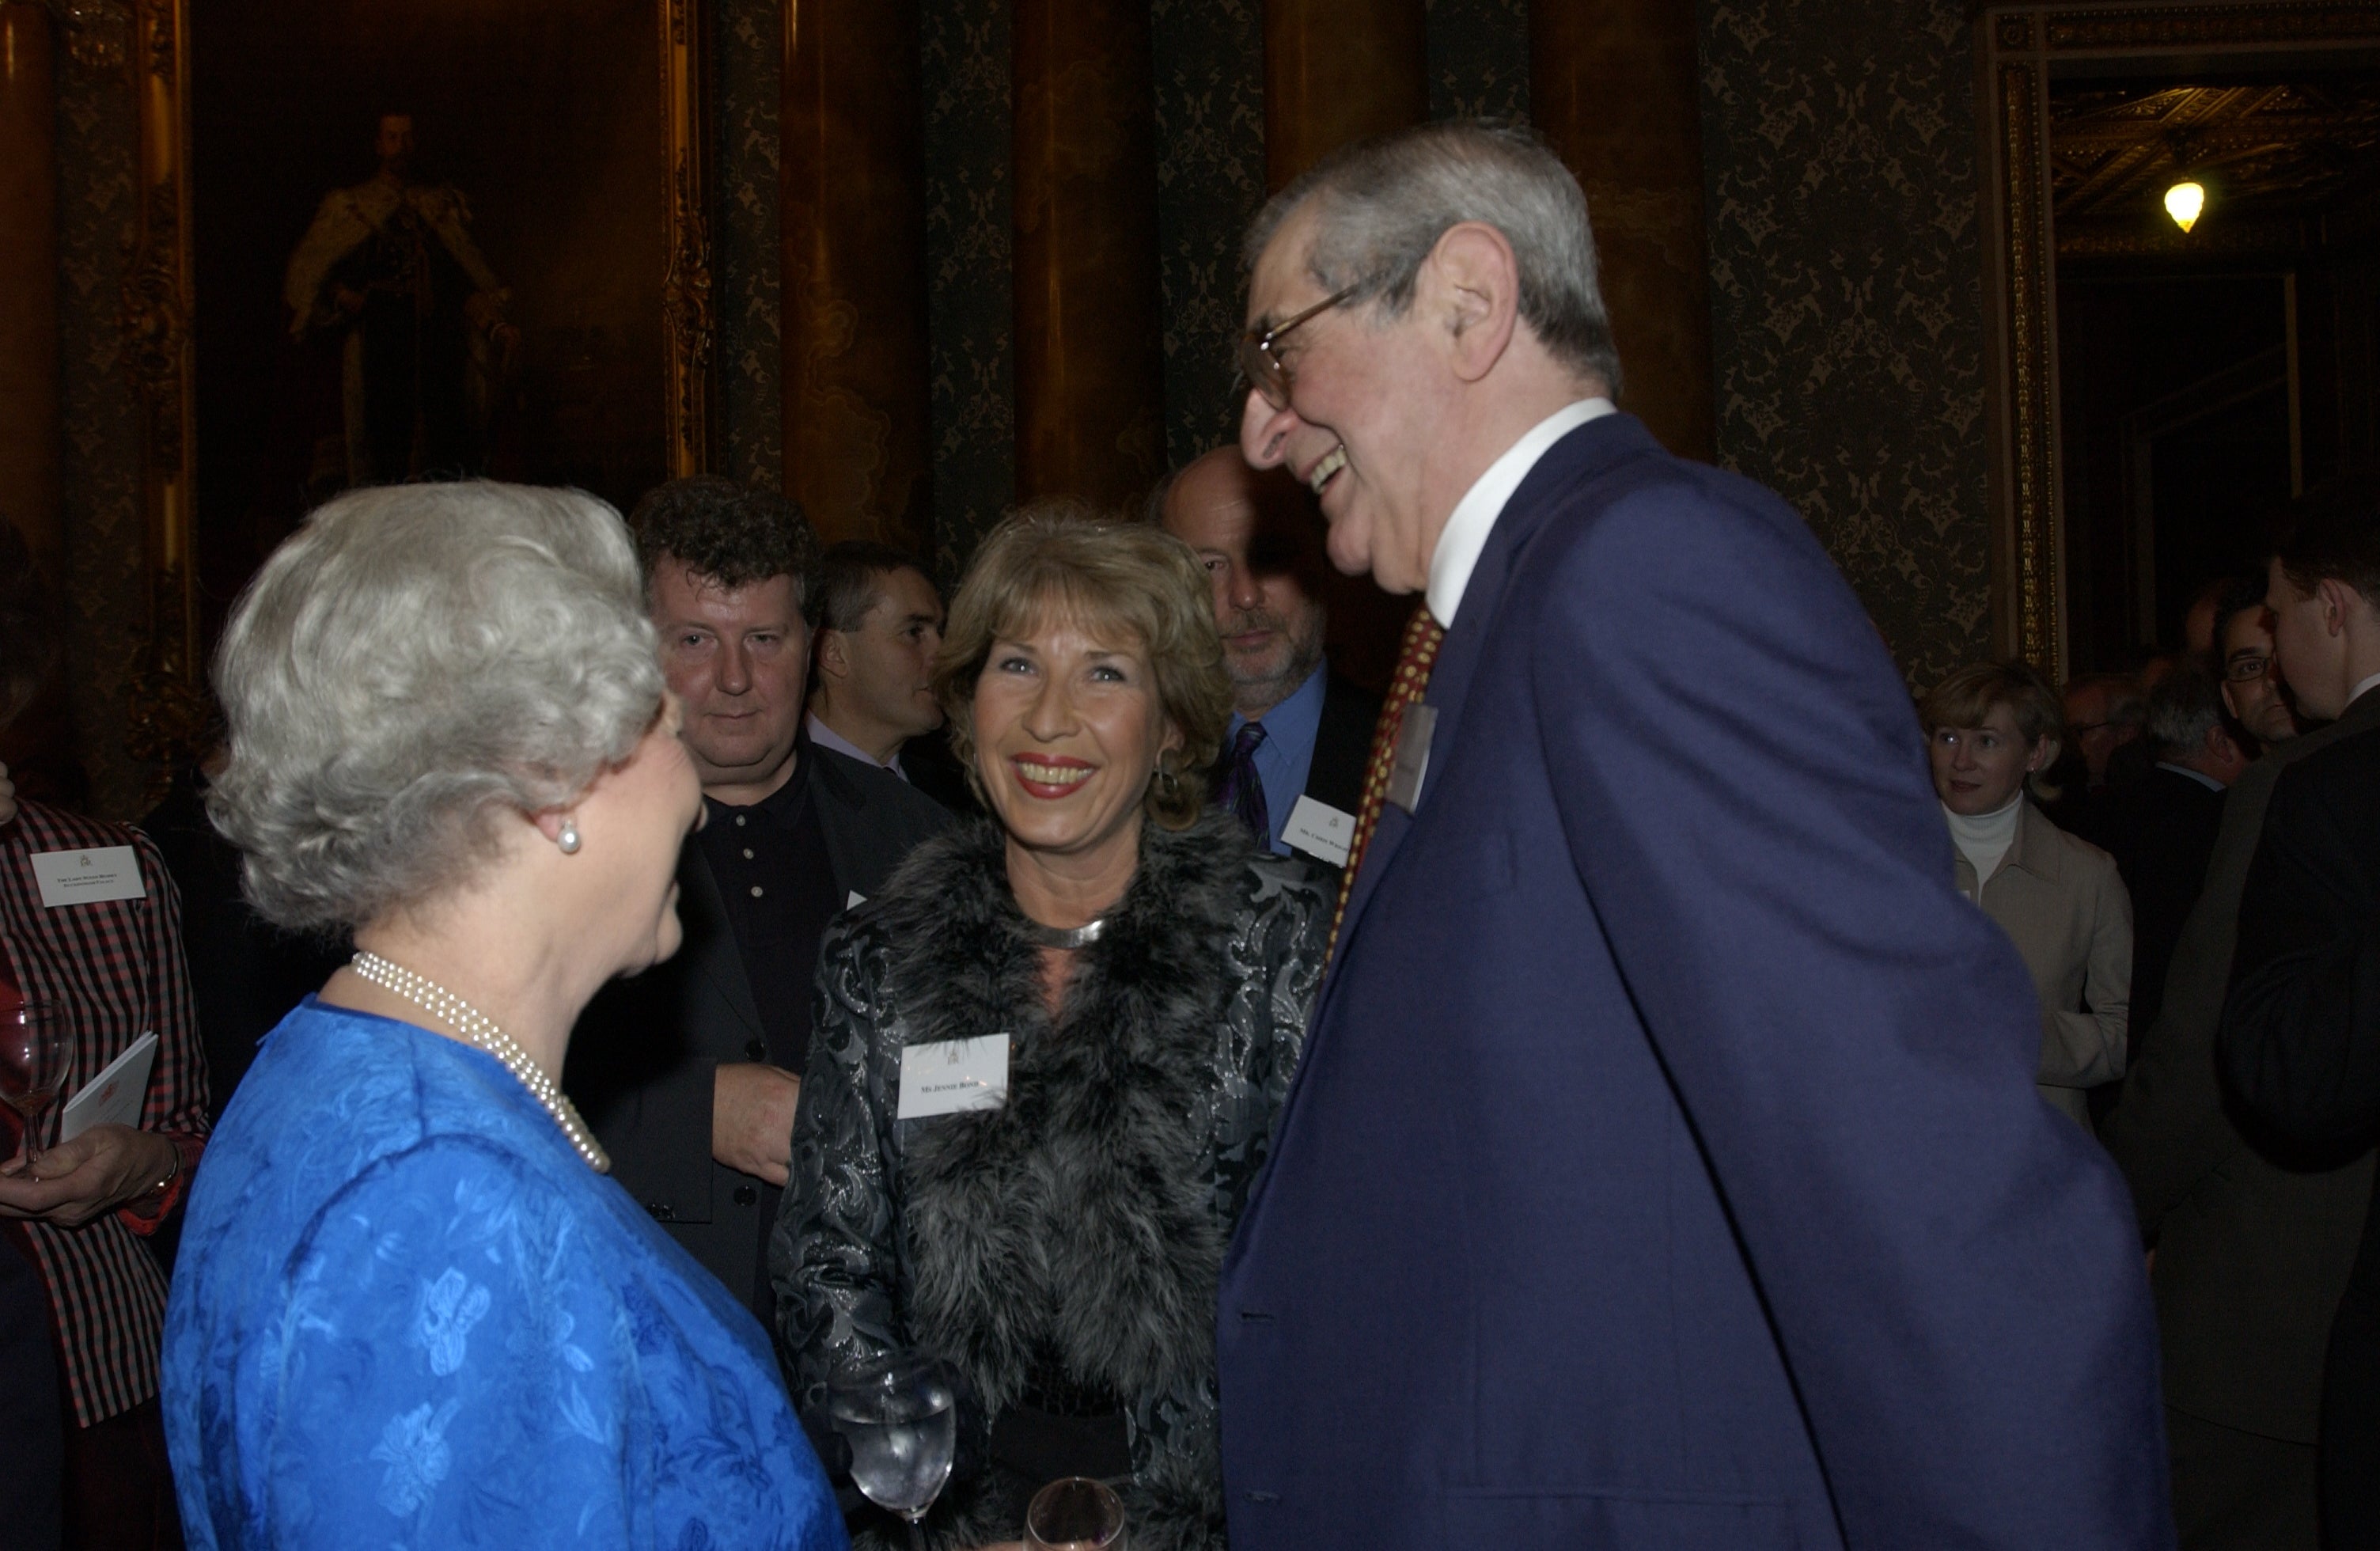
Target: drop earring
568,839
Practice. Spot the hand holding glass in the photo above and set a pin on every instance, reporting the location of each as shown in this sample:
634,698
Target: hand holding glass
1074,1514
902,1420
33,1048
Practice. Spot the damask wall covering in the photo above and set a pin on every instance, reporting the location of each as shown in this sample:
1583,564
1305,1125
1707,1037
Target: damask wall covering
1845,278
1846,289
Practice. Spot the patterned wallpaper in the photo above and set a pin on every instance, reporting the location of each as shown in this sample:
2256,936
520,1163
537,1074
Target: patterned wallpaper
1210,181
106,595
748,41
1478,53
1846,296
969,342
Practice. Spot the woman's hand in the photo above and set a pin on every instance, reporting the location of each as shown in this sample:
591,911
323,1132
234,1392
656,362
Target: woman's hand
89,1177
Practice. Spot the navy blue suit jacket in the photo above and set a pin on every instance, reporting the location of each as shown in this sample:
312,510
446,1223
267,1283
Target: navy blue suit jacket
1664,1167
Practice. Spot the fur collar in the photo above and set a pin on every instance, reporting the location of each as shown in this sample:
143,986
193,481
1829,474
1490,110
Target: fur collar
1082,1213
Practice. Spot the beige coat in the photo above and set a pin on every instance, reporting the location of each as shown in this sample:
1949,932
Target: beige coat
2061,903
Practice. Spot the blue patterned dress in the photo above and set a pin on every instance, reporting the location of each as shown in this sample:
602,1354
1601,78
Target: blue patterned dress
405,1312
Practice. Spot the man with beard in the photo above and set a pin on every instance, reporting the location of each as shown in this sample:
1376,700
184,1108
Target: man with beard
1293,761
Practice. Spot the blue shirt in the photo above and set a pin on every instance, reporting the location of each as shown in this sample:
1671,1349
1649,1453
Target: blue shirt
1287,754
405,1312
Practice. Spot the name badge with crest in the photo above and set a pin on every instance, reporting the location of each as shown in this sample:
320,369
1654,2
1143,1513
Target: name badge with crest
952,1077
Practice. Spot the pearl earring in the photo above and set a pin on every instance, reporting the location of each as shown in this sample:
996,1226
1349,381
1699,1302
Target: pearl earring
568,839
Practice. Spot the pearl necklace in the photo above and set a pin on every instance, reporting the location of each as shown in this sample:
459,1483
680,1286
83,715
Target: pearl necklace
453,1011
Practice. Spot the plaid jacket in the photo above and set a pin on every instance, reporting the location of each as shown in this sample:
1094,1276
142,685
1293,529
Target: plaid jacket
116,968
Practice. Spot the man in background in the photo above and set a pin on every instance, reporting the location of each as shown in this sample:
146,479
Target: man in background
2301,1038
2252,690
690,1073
2161,829
1298,734
879,621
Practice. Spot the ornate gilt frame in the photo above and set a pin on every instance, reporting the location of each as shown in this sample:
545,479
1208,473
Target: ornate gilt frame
2020,46
169,696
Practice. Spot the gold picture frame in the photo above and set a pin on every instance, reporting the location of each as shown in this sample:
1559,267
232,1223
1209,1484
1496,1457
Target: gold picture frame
2019,48
169,698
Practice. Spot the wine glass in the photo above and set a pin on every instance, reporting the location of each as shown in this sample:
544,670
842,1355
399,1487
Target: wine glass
1074,1514
902,1420
33,1048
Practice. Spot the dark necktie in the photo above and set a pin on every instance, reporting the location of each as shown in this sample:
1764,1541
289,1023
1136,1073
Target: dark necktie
1243,789
1415,657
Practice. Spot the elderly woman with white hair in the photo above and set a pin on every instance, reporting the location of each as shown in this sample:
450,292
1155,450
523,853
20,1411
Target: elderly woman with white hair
409,1307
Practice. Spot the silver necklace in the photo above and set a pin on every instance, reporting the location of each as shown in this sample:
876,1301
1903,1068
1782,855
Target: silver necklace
453,1011
1064,937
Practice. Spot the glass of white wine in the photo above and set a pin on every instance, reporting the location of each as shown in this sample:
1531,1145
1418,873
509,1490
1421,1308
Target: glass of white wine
902,1420
33,1049
1074,1514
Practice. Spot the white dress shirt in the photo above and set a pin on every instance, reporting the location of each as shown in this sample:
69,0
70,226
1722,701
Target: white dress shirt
1474,515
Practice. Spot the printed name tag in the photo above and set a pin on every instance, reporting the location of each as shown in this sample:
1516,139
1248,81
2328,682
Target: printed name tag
1411,760
89,877
953,1075
1319,829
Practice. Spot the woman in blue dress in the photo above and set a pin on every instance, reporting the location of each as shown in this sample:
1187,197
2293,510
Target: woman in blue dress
409,1309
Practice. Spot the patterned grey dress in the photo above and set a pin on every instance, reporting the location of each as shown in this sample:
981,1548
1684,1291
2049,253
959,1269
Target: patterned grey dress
1083,1224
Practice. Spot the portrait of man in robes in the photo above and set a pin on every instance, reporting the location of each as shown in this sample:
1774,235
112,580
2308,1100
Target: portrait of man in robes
388,274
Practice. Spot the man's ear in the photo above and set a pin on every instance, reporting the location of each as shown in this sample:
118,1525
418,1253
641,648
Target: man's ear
2342,605
833,656
1472,282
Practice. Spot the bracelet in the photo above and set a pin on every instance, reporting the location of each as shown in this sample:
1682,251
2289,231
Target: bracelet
173,1172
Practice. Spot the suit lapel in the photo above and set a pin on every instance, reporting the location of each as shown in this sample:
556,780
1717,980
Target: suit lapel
1591,451
711,939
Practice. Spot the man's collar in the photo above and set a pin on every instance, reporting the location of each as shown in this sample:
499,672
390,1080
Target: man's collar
1474,515
824,736
2361,688
1296,720
2199,776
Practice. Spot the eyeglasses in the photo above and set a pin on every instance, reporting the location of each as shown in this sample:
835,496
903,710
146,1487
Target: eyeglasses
1266,371
2247,669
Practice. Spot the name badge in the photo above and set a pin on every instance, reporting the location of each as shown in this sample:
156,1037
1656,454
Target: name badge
1319,829
952,1076
1410,762
89,877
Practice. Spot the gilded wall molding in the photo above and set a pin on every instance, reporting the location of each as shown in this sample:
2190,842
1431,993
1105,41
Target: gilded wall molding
687,322
166,715
2018,46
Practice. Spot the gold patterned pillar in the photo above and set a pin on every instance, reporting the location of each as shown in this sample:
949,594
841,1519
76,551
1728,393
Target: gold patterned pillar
1336,71
28,278
1614,87
1091,383
854,228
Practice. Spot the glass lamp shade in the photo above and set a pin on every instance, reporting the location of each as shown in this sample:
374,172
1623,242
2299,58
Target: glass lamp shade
2183,202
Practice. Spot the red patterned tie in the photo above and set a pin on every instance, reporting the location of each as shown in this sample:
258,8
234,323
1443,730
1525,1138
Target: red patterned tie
1415,656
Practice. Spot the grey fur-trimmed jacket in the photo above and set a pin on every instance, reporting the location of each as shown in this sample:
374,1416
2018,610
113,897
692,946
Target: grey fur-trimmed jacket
1092,1211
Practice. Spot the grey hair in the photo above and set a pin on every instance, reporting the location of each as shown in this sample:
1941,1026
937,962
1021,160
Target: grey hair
1381,205
2186,704
413,663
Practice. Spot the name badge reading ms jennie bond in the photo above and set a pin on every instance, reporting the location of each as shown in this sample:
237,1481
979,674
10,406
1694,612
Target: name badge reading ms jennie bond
952,1076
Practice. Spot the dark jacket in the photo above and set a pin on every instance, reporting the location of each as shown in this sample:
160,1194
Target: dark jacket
2251,1255
2300,1046
642,1058
2161,830
1090,1213
1664,1167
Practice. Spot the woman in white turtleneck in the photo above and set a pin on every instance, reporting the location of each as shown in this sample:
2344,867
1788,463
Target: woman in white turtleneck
1991,730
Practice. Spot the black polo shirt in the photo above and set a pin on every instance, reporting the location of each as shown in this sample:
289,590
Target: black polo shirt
770,859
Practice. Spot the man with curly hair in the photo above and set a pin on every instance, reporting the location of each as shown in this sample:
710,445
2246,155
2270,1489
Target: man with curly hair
688,1073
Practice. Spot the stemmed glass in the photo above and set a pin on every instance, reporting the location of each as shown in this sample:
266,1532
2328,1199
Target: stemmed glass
902,1420
33,1048
1074,1514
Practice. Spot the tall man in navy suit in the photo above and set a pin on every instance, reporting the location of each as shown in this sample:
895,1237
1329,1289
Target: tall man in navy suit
1664,1167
